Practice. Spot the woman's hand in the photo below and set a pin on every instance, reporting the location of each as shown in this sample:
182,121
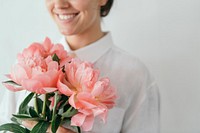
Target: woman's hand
31,124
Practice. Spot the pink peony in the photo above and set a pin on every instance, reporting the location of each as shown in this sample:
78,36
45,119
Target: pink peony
89,95
44,67
105,93
36,71
57,49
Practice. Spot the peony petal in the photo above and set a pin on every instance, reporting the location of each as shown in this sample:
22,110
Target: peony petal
86,111
87,104
64,89
72,101
88,123
57,49
18,73
78,119
44,79
52,99
53,65
32,86
103,116
105,93
12,87
90,78
49,89
99,110
70,72
65,61
79,74
47,44
34,50
48,79
98,88
87,100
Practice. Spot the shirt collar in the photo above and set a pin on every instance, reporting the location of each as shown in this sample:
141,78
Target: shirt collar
93,51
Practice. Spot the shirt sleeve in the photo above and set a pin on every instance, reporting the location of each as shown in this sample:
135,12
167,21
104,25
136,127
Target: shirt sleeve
144,116
7,106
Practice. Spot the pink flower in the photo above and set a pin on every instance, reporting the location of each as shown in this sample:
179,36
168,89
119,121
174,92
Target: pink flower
84,121
57,49
104,92
44,67
80,76
36,71
91,96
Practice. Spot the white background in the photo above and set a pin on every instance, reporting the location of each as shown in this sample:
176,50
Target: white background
165,34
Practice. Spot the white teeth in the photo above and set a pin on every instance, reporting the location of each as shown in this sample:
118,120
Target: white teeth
66,17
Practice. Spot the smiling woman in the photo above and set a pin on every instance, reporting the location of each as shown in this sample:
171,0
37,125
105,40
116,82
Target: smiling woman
137,106
76,16
77,19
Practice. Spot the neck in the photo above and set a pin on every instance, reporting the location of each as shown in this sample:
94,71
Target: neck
83,39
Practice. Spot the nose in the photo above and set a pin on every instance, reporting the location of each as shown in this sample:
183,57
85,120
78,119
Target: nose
60,4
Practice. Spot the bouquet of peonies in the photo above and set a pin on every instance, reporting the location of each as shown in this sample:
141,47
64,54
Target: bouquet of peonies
65,90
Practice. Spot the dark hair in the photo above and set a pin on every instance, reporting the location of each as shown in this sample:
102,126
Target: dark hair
106,8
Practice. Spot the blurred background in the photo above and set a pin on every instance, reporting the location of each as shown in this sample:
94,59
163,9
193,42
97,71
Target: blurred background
164,34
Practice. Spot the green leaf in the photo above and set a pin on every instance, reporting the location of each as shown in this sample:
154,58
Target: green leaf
27,130
56,58
35,119
10,82
64,101
13,128
77,129
24,105
40,105
22,116
55,123
28,117
67,122
15,120
48,113
69,113
32,112
40,127
56,100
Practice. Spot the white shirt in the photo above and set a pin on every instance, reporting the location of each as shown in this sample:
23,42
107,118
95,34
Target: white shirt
137,106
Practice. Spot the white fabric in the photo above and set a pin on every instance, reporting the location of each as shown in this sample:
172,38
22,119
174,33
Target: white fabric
137,107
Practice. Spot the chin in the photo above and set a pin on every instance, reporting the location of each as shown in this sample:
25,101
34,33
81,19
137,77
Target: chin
66,32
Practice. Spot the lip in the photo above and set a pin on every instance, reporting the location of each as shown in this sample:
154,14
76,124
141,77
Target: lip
66,17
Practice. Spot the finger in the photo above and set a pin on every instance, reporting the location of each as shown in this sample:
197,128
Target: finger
64,130
60,130
29,124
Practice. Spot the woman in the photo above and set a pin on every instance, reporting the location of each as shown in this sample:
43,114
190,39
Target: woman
137,108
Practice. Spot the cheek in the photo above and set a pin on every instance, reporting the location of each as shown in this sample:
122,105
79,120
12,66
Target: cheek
86,5
91,10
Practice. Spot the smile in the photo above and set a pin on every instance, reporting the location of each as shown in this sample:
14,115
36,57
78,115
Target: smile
67,17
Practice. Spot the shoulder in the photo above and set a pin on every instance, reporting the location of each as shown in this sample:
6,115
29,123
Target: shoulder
128,67
127,61
128,74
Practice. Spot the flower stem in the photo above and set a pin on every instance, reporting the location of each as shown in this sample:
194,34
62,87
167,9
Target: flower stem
44,106
36,103
55,104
